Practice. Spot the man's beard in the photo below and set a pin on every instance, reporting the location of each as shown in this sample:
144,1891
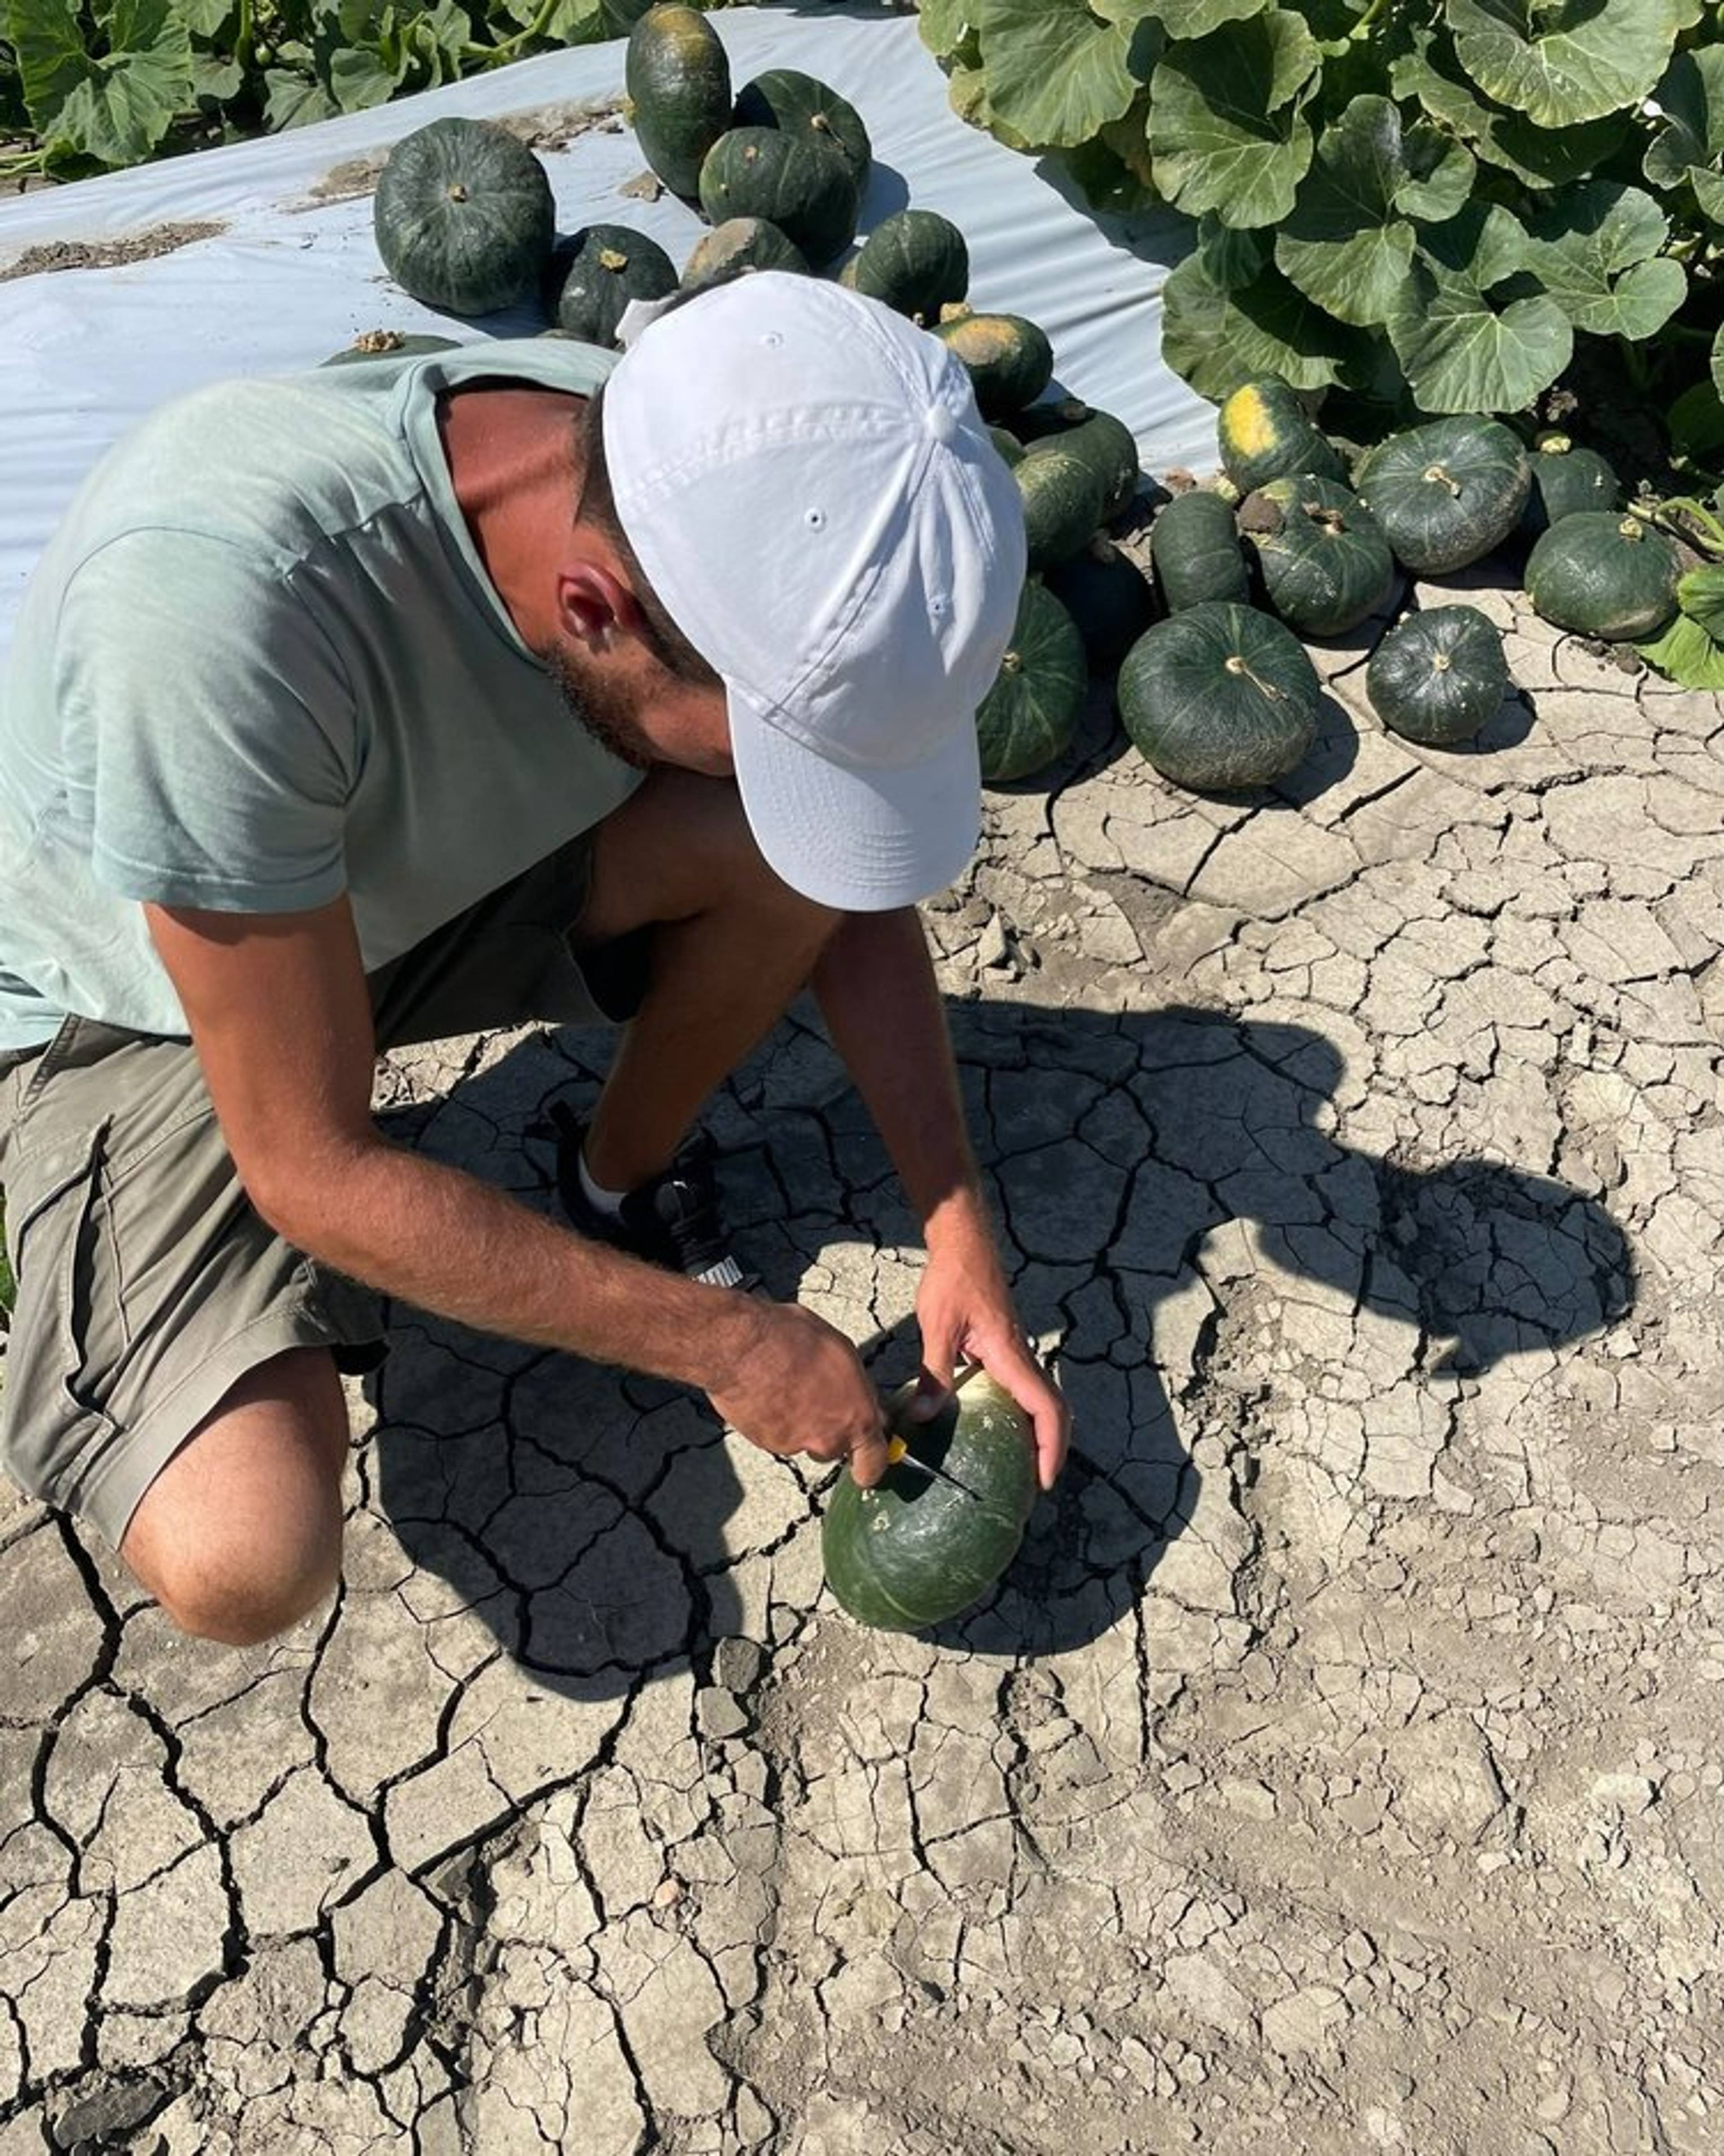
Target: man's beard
600,711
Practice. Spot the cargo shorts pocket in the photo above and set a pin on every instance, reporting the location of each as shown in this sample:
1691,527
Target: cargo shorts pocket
68,1328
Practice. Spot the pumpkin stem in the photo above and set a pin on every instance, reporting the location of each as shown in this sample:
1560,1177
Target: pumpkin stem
1013,663
1441,662
609,259
458,192
1233,663
1331,520
1631,527
1437,477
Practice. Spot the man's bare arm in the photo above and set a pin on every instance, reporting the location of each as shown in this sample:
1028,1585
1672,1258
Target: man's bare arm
280,1016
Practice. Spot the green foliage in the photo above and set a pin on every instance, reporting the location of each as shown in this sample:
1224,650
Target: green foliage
97,84
1434,206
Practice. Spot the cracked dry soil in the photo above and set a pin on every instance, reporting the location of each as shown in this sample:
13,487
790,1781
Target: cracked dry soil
1340,1768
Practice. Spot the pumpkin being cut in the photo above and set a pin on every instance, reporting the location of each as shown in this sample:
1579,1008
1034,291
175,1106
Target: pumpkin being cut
913,1551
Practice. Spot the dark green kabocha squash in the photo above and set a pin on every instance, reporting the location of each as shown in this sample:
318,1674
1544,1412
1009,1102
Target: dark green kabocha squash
1109,598
463,217
1082,430
1264,433
389,344
796,182
913,1551
915,263
1008,445
1062,503
740,243
802,105
1009,359
1604,574
593,278
1195,548
678,83
1439,676
1029,715
1567,480
1219,697
1445,494
1326,564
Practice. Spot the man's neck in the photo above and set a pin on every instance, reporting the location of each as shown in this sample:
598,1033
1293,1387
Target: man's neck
513,453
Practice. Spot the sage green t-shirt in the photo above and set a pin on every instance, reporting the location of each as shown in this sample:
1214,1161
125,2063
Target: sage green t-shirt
260,664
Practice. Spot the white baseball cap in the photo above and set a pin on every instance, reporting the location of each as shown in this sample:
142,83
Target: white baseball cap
815,500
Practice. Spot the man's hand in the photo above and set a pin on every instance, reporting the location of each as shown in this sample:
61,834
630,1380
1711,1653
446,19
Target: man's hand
801,1387
964,1309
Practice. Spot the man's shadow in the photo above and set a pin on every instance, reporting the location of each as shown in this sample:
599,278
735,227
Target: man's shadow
608,1530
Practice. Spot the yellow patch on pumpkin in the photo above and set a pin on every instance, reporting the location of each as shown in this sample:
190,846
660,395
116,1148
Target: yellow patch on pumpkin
1247,423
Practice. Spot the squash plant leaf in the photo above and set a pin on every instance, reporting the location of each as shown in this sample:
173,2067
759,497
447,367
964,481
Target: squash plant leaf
1595,251
1226,125
294,99
51,59
1685,653
1217,335
1701,595
1464,346
1691,102
122,103
1345,246
1441,175
1538,156
1562,64
1054,74
1196,19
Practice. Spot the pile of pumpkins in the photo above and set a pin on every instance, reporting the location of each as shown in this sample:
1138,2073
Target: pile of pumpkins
1201,636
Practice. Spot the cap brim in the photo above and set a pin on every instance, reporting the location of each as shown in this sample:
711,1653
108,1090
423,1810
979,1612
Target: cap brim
860,840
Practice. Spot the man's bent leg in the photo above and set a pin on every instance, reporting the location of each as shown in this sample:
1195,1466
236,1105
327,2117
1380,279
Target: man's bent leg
240,1536
731,948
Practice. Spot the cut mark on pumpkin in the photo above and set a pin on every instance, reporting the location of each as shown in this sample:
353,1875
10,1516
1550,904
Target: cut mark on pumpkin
1234,663
1437,477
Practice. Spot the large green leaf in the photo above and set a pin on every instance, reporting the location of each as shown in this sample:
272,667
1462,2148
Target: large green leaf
1217,335
52,60
1563,61
1345,246
124,103
1691,102
943,23
1687,654
1464,346
1441,175
1226,129
1197,18
294,99
1700,593
1538,156
1593,251
1054,74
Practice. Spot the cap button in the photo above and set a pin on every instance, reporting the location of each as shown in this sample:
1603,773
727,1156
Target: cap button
941,422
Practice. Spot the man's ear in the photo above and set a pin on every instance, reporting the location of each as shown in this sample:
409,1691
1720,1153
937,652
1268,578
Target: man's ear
594,606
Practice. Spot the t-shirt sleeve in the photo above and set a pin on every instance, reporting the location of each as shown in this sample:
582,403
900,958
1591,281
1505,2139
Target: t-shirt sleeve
219,722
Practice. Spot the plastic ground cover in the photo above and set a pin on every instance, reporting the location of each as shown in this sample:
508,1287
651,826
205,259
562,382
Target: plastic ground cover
288,272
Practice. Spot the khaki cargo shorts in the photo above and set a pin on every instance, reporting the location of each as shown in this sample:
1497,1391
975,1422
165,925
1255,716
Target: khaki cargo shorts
147,1284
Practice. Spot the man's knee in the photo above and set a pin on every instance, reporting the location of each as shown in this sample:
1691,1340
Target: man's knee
242,1604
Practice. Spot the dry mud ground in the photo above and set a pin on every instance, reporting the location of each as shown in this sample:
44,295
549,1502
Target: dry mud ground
1340,1769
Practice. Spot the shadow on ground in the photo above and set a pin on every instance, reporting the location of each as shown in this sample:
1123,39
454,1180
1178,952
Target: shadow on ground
596,1518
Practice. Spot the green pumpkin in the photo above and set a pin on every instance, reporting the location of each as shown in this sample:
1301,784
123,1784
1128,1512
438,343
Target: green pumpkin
1606,575
1109,598
679,82
802,105
1219,697
797,182
1325,561
1081,430
593,278
1008,445
741,244
388,344
1439,676
1062,504
1566,480
915,263
463,217
1009,359
1265,433
1029,717
1447,493
914,1552
1194,547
